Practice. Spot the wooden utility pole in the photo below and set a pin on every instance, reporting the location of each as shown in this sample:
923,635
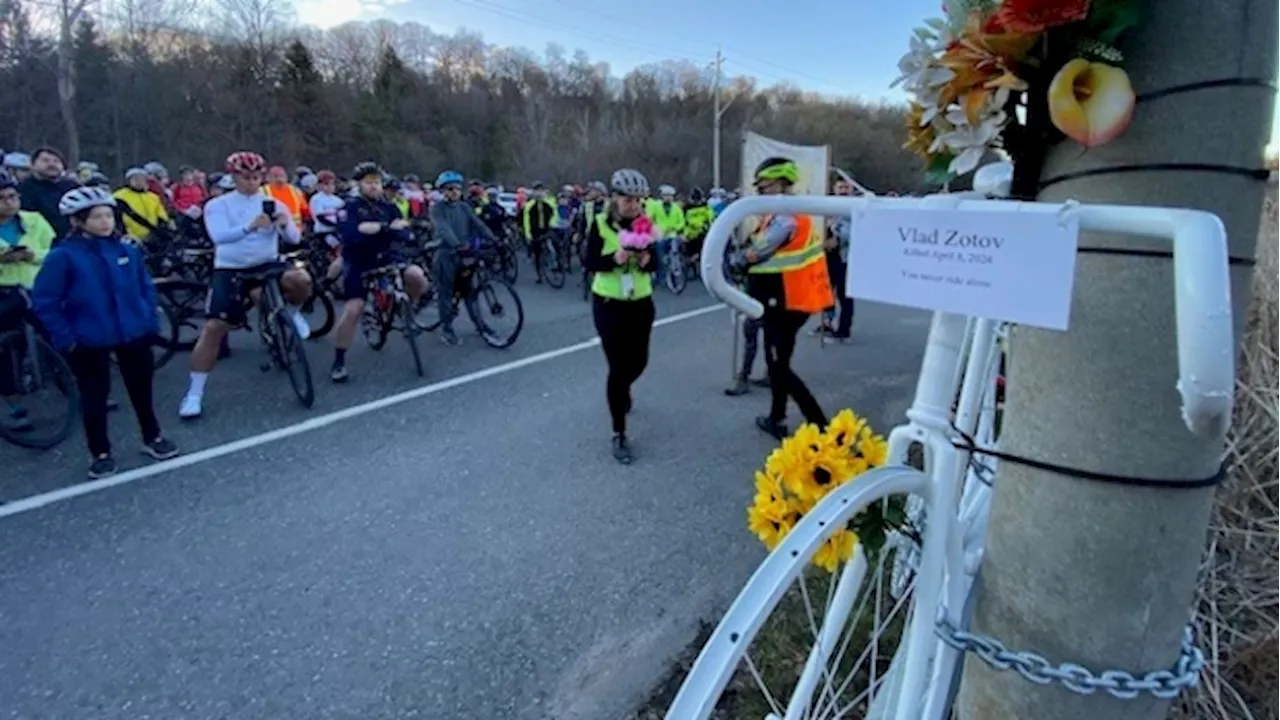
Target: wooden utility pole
1099,574
719,111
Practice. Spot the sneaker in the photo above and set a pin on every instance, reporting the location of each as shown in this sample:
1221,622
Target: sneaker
450,338
739,387
621,450
160,449
102,466
300,324
190,407
772,427
338,373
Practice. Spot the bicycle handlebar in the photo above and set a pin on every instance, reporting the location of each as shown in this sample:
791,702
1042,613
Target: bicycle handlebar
1202,285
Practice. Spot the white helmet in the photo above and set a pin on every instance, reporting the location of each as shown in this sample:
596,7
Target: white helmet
227,182
629,182
84,198
17,161
666,190
156,169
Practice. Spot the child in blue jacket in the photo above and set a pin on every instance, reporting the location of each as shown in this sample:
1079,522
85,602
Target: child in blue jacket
94,298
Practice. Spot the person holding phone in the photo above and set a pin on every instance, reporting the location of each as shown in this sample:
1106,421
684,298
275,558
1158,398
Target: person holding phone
246,229
25,240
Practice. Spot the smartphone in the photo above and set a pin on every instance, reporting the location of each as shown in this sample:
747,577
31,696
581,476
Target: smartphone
269,208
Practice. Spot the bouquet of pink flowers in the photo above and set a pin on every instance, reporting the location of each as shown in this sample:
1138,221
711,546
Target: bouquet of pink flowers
641,235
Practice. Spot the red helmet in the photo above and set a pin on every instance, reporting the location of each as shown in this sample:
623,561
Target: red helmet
245,162
326,176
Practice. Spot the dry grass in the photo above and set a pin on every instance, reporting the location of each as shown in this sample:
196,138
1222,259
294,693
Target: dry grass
1237,605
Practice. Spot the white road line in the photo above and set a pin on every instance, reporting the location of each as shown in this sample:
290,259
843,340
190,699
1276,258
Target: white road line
35,502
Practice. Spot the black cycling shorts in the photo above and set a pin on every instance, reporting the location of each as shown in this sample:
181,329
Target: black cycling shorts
229,287
352,284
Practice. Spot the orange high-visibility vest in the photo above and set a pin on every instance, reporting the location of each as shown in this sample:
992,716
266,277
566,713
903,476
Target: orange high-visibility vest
289,196
806,286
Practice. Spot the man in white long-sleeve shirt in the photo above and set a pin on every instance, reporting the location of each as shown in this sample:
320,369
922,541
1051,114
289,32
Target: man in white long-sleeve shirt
246,241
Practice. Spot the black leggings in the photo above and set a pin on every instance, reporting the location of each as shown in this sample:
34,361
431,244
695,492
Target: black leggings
624,327
92,368
780,330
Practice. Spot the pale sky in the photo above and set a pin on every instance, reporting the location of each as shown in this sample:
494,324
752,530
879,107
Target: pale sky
834,47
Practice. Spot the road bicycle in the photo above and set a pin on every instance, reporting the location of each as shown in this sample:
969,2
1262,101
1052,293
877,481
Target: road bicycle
39,398
879,634
490,301
388,307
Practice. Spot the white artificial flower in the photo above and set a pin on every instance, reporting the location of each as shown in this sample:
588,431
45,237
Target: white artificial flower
969,143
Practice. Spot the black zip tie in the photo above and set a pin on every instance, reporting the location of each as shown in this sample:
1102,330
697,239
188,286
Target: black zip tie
1206,85
968,444
1139,252
1251,173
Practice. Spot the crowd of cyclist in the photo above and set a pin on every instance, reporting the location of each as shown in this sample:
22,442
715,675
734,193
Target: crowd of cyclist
70,266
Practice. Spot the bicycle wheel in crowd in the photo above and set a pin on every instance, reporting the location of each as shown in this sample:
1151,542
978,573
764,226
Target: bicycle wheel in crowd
552,267
318,310
496,311
41,399
411,330
508,263
374,325
674,276
165,342
184,302
293,355
426,311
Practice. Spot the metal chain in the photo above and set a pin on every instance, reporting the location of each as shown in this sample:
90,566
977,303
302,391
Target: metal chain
1166,684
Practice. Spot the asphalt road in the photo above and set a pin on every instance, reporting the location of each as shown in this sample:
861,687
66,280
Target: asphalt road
470,552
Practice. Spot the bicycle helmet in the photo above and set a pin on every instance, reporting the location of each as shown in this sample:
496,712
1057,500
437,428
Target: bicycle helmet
666,190
537,186
326,176
7,181
227,182
97,179
411,178
245,162
213,178
777,168
17,161
302,170
84,198
364,170
629,182
156,169
86,165
598,187
449,177
695,195
307,182
390,182
134,172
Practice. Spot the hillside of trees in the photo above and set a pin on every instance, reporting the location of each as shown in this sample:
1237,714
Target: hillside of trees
122,82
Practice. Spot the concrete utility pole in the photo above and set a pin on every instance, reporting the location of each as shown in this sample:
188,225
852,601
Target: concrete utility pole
1098,574
719,113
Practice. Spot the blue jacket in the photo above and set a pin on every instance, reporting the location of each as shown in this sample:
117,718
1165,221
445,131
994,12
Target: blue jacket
364,250
94,292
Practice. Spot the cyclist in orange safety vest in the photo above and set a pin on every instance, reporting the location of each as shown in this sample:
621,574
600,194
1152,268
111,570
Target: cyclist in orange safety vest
787,272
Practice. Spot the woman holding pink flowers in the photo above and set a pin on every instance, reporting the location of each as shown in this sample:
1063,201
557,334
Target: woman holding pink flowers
619,255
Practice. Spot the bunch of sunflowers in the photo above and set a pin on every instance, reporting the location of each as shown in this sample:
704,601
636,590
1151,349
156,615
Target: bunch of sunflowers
803,470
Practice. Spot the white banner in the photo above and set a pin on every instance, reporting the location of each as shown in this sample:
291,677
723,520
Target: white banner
814,162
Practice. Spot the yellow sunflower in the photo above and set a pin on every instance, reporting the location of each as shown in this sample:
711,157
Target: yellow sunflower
874,449
771,520
837,549
843,430
768,487
828,470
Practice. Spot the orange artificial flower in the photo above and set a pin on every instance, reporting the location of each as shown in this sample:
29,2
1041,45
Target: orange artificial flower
1035,16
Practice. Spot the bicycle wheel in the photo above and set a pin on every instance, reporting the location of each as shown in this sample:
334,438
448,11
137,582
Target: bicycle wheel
289,349
184,301
411,330
496,311
37,382
374,325
552,267
508,264
318,309
165,341
675,278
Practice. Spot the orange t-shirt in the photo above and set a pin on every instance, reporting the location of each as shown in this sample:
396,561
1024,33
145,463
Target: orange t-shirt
293,200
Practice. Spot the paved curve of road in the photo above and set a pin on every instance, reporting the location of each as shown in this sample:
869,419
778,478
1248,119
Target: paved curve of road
469,553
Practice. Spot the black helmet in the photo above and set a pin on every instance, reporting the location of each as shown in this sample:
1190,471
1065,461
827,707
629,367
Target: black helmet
412,178
390,182
695,195
364,170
